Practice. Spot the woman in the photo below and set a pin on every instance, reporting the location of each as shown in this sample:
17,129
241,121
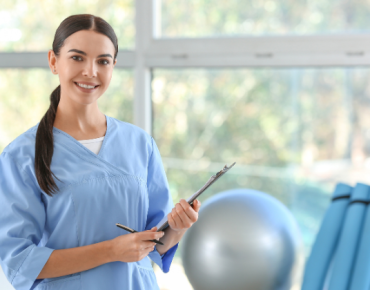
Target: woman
66,182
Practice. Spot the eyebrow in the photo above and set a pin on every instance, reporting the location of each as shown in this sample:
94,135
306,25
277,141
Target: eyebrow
84,53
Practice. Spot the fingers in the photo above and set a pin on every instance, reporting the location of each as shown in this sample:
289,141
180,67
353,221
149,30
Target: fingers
146,245
189,210
144,249
151,234
181,215
171,221
197,205
176,216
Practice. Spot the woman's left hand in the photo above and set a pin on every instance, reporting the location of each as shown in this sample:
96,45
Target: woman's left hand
183,215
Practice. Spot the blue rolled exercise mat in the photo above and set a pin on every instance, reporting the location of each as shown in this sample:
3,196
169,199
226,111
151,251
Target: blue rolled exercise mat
361,272
349,238
326,241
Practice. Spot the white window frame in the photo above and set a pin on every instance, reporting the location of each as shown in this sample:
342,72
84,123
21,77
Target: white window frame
152,51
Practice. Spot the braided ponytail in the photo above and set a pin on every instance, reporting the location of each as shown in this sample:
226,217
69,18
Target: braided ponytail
45,146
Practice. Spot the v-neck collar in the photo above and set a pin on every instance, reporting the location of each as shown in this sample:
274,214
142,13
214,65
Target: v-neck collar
81,145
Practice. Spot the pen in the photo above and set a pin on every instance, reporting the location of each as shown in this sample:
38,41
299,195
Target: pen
133,231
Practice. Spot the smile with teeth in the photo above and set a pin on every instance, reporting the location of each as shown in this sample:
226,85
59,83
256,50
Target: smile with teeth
85,86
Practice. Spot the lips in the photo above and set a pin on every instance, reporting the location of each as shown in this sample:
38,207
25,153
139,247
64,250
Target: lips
85,90
86,83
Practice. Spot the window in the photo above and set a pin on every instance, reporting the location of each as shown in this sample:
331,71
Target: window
193,18
30,25
294,133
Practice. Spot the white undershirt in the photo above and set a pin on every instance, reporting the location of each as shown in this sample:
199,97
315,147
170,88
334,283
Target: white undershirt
93,144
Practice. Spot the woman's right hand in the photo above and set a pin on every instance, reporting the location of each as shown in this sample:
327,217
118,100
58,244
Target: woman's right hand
134,247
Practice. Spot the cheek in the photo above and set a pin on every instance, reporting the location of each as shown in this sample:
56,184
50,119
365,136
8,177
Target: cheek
67,74
107,76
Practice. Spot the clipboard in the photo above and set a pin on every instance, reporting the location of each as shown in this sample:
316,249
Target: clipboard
163,223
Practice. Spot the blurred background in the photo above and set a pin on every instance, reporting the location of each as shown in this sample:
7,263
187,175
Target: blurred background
280,87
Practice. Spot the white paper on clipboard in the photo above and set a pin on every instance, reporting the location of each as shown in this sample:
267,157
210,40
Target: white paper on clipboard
163,223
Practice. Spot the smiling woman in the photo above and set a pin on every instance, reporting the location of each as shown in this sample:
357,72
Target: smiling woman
60,200
84,68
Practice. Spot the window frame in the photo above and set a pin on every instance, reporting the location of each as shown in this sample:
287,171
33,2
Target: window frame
152,51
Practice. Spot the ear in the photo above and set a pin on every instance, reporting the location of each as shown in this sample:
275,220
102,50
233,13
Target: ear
115,61
52,61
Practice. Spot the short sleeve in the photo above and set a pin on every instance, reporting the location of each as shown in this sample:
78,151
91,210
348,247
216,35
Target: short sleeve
22,220
160,204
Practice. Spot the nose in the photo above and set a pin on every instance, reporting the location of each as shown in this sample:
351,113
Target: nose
90,69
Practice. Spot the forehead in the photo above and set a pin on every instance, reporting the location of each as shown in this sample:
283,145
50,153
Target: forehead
91,42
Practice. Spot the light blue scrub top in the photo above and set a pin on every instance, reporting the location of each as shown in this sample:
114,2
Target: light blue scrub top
125,183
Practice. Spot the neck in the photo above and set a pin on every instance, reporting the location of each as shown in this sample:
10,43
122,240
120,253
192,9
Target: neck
80,121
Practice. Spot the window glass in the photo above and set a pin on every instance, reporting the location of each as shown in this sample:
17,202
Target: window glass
196,18
294,133
28,25
23,104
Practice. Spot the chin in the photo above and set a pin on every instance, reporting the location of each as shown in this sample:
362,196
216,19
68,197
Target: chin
86,103
85,100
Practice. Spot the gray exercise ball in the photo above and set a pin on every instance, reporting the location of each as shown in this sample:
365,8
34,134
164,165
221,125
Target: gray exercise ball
243,240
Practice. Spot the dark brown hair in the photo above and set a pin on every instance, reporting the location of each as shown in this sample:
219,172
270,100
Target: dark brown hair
44,147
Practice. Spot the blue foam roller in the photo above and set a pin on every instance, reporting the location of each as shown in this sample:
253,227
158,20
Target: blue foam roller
349,239
361,272
326,240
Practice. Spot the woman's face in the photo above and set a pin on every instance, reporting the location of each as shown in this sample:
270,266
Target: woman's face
85,59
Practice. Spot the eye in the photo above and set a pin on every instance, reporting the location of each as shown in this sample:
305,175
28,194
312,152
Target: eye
105,61
76,56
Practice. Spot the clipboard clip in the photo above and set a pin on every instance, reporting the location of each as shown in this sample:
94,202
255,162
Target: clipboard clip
225,169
